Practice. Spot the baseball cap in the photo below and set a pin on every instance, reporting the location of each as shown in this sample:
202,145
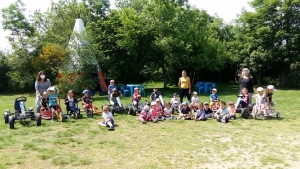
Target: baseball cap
158,100
195,93
205,103
214,89
271,87
155,87
51,89
85,91
136,88
260,89
112,81
216,100
114,89
146,107
231,103
185,103
153,103
175,94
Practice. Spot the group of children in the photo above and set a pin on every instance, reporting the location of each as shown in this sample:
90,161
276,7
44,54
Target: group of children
215,109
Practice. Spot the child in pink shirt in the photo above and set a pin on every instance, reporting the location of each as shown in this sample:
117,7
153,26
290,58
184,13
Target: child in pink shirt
146,115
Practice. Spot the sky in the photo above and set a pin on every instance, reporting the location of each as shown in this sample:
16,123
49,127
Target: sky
226,9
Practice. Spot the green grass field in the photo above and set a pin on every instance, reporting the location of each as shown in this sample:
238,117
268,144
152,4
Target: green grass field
80,143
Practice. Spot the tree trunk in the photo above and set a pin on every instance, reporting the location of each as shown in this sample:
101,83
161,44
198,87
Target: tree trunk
164,73
283,76
258,78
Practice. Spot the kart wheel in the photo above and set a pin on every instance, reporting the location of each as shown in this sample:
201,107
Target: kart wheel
89,113
131,111
11,121
6,117
245,113
38,119
278,115
76,114
59,116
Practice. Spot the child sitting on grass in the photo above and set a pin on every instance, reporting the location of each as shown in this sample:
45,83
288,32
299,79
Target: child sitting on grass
200,114
153,112
146,115
159,110
44,101
207,110
232,111
215,107
108,120
222,114
168,111
185,112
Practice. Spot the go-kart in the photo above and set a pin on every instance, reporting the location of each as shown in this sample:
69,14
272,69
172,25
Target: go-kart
21,113
242,107
46,113
74,110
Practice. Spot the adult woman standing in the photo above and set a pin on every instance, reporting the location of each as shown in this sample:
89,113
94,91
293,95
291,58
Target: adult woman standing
41,86
185,86
247,81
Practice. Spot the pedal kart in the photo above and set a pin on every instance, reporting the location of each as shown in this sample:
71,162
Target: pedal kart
242,107
262,112
114,106
47,113
91,109
74,110
135,108
21,113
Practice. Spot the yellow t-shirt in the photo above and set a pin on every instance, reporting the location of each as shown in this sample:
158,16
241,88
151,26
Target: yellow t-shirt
184,82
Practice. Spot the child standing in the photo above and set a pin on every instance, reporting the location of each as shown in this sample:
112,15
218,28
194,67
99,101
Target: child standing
107,119
260,101
110,88
222,113
214,96
207,110
269,94
194,101
154,95
232,111
69,101
200,114
185,112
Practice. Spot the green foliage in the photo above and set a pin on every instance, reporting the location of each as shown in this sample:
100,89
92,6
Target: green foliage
4,69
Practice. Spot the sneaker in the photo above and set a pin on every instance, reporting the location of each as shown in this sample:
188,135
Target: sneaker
155,121
144,122
111,128
223,121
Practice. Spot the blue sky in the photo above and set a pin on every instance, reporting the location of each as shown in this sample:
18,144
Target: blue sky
226,9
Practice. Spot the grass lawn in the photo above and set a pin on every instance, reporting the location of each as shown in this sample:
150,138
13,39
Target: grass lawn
272,143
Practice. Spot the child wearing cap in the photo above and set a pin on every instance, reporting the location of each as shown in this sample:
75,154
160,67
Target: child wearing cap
153,112
185,112
222,114
86,100
232,111
269,94
53,98
207,110
110,88
115,97
194,101
260,101
108,120
154,95
200,114
214,96
146,115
